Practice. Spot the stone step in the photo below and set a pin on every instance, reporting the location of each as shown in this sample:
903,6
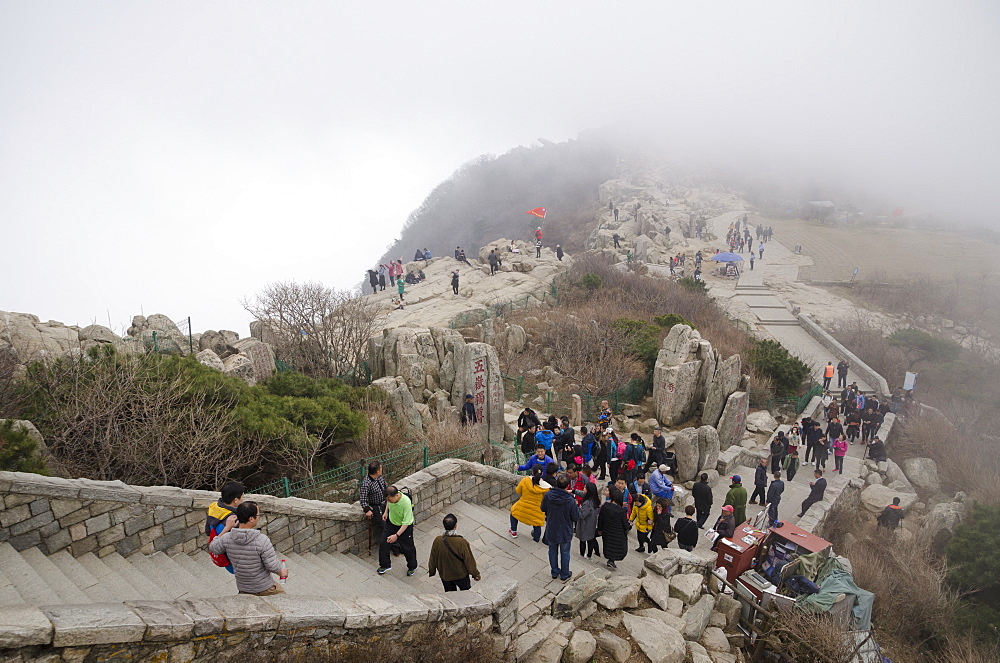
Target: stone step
73,570
213,580
108,581
8,594
186,584
64,587
131,574
28,583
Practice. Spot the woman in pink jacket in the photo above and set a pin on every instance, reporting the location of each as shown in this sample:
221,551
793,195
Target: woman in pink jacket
839,451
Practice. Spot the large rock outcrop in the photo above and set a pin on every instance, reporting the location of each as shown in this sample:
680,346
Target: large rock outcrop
434,363
688,371
402,404
733,422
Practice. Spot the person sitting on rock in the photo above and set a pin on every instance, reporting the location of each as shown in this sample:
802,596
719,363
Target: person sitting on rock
891,516
411,278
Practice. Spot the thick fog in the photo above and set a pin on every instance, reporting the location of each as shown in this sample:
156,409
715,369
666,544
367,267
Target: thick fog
174,157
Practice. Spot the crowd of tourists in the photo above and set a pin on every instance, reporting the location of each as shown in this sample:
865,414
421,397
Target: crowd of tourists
594,487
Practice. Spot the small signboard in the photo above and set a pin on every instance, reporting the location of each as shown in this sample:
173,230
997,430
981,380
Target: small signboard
910,381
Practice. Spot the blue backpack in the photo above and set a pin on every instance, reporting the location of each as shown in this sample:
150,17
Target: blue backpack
544,437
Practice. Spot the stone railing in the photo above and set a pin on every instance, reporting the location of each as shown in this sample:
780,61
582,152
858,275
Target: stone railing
109,516
271,628
867,373
83,516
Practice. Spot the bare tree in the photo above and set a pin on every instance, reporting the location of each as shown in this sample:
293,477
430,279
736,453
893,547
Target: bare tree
138,419
322,332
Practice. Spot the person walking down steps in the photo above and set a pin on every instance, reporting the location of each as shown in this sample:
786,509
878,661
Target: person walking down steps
397,528
452,557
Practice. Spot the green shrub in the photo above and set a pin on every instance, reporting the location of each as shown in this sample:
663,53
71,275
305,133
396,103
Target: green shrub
670,319
974,568
773,360
164,419
689,283
591,281
643,339
18,452
921,345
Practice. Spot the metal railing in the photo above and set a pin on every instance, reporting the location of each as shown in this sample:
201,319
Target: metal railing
769,401
633,393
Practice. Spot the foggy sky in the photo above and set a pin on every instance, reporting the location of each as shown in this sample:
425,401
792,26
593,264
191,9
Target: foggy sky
175,157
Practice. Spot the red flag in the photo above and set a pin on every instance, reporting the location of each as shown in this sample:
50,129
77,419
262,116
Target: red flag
538,211
898,211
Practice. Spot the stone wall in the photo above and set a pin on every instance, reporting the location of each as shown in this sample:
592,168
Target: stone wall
244,627
866,372
102,517
84,516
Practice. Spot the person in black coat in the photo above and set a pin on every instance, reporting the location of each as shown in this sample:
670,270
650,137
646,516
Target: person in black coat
876,450
613,527
702,493
687,530
816,490
835,429
657,454
661,525
777,453
527,417
528,441
469,411
567,438
725,526
760,483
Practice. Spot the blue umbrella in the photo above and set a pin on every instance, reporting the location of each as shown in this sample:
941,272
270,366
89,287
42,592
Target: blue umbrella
727,256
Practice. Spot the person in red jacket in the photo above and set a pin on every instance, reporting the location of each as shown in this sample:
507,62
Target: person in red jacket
538,233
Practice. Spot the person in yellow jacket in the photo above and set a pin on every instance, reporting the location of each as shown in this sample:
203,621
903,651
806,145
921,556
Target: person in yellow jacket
642,516
528,508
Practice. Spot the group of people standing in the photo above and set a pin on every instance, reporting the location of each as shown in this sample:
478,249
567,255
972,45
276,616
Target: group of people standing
565,492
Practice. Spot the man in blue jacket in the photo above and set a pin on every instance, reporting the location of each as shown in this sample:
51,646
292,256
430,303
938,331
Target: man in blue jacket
660,484
561,514
540,458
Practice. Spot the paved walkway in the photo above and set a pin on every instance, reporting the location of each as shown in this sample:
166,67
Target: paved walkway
773,315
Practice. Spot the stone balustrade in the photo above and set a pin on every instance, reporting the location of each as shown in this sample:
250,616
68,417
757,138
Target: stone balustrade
102,517
81,516
206,629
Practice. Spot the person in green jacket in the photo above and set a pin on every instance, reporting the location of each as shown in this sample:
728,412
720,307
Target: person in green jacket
401,287
737,498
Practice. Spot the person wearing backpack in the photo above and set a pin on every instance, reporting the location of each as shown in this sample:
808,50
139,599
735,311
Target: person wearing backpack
545,437
452,555
219,513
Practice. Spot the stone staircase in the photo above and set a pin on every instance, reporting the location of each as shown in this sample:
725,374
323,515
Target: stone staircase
31,577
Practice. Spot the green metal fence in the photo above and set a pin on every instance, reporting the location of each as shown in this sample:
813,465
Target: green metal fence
769,401
633,392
